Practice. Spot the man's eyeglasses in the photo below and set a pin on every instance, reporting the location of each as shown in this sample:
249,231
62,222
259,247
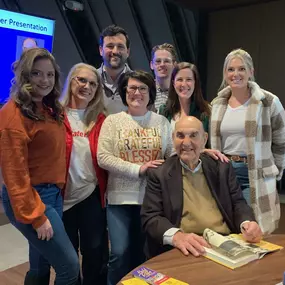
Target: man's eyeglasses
82,81
142,89
167,61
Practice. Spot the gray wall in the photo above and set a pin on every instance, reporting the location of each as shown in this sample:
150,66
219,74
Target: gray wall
259,29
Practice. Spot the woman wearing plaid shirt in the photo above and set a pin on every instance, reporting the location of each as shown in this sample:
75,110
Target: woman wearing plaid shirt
248,125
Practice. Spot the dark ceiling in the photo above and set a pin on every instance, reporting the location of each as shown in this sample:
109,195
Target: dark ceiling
217,4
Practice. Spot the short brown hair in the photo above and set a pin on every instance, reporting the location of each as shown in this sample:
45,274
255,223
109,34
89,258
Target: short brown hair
112,31
142,76
168,47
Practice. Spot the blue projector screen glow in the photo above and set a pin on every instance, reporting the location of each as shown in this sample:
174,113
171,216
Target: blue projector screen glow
17,32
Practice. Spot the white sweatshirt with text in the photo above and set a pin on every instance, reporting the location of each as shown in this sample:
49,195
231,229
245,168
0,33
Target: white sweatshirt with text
126,142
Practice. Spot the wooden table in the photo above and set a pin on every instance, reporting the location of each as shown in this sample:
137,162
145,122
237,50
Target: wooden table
202,271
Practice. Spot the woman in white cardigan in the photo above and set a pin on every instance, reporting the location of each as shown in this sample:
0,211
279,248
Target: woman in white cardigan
248,125
130,142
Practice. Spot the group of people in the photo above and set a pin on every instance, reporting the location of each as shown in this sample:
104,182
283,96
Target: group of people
118,166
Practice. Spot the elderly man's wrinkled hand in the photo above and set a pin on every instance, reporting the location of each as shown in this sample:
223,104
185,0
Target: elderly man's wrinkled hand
190,243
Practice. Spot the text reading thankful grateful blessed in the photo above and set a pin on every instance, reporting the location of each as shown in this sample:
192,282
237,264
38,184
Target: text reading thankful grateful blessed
139,145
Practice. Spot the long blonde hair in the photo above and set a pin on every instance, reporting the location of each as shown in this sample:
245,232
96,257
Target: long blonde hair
22,92
95,106
245,57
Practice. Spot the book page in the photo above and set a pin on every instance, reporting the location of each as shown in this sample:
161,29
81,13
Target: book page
225,245
260,248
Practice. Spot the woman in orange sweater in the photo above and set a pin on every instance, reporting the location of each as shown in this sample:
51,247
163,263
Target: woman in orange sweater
33,163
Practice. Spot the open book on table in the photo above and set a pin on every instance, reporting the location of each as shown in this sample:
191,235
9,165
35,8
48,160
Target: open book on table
233,251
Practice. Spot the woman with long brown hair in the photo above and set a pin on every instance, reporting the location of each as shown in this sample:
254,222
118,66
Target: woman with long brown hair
33,164
185,96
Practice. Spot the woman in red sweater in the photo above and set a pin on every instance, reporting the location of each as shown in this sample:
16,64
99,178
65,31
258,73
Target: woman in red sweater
33,164
84,206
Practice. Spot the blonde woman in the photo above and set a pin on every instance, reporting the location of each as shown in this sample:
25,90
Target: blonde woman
84,213
33,164
248,125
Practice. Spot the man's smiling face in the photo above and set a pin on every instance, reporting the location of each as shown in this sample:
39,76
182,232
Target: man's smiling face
189,140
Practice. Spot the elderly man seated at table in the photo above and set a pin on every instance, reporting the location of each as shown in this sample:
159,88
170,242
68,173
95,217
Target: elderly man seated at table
190,192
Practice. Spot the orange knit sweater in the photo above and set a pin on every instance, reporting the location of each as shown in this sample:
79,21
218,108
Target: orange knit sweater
31,153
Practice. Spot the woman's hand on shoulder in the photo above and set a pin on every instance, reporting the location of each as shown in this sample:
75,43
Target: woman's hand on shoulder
216,154
150,164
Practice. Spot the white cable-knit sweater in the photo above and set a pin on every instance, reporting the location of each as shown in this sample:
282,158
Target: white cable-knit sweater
126,143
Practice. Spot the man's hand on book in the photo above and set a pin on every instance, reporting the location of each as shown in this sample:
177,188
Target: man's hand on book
251,232
190,243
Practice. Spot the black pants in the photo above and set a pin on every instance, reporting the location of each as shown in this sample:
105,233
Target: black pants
85,224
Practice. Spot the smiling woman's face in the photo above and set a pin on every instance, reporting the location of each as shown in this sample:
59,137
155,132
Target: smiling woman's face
184,83
42,78
83,86
237,73
137,95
